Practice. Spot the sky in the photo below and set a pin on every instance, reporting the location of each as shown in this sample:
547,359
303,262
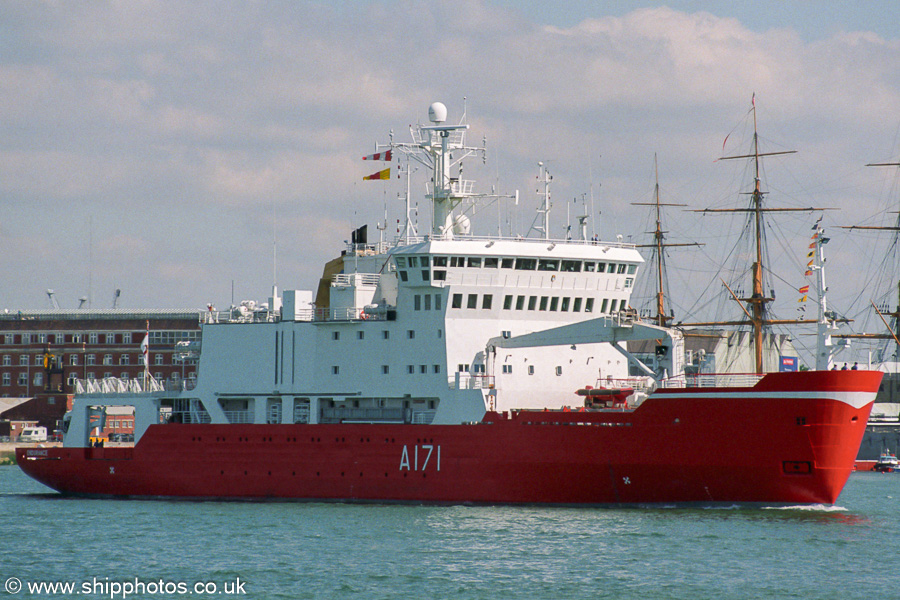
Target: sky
194,153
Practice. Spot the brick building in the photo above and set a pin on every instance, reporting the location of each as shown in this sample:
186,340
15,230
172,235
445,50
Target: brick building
46,351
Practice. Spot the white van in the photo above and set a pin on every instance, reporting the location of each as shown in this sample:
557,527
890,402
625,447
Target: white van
33,434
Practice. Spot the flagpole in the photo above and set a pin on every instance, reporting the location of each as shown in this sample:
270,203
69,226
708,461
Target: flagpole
145,350
826,326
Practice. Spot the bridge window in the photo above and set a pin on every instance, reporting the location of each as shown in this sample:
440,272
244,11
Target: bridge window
544,300
475,262
547,264
490,262
507,302
589,305
520,302
526,264
565,304
472,301
487,301
570,266
457,301
507,263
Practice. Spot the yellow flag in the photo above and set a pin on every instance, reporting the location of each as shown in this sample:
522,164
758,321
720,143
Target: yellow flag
385,174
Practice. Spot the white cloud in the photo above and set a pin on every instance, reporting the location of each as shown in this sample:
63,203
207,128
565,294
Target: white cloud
189,122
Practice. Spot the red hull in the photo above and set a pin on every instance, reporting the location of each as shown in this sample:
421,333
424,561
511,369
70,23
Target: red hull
718,446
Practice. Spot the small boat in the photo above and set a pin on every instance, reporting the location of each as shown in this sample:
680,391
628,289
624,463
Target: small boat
600,396
887,463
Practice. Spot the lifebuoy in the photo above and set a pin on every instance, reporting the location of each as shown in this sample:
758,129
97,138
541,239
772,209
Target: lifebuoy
363,315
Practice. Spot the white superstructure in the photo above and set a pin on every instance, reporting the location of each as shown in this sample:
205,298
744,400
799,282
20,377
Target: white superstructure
432,329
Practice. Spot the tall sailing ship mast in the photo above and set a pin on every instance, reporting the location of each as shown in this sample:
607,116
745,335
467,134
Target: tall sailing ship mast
893,327
658,254
757,317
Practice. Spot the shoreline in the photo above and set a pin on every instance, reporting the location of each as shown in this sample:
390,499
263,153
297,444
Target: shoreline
8,450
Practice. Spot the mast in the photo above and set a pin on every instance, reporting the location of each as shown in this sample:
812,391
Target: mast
544,211
659,244
827,321
441,149
893,332
757,302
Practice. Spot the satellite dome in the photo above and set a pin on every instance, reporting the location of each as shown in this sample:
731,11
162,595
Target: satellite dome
437,112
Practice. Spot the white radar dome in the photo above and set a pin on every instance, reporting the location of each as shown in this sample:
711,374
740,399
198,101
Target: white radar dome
437,112
462,225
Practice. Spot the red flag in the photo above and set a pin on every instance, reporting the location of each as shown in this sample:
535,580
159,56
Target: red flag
385,174
385,156
804,289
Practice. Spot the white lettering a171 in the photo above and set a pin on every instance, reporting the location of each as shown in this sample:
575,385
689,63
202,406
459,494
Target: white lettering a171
421,457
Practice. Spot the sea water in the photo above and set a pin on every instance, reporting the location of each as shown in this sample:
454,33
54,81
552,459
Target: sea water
189,549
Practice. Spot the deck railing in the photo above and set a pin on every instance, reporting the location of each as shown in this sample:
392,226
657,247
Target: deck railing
709,380
466,381
115,385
